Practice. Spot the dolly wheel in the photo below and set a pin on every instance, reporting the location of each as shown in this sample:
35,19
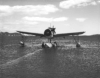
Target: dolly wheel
78,45
43,45
55,44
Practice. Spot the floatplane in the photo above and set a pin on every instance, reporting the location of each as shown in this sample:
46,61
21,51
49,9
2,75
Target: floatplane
50,33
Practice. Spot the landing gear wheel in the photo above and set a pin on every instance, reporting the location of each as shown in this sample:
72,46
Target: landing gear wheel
43,45
55,44
78,45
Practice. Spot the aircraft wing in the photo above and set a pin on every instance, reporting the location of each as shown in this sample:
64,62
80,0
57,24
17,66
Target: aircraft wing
31,33
67,34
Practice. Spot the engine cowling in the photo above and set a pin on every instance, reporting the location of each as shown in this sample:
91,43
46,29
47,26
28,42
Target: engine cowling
47,32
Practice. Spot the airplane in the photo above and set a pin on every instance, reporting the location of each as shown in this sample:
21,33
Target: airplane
50,33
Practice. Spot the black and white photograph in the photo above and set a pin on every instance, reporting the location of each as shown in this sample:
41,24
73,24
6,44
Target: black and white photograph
49,38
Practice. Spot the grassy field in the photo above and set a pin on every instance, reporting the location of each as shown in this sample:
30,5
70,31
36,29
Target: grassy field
11,49
66,61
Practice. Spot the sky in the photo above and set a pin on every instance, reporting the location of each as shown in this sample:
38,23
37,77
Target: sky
37,15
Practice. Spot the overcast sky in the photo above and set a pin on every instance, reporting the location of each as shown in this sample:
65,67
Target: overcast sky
37,15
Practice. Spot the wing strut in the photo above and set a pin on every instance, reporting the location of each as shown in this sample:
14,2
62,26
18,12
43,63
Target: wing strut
22,41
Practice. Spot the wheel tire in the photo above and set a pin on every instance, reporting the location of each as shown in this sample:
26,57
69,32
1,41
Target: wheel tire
43,45
78,45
